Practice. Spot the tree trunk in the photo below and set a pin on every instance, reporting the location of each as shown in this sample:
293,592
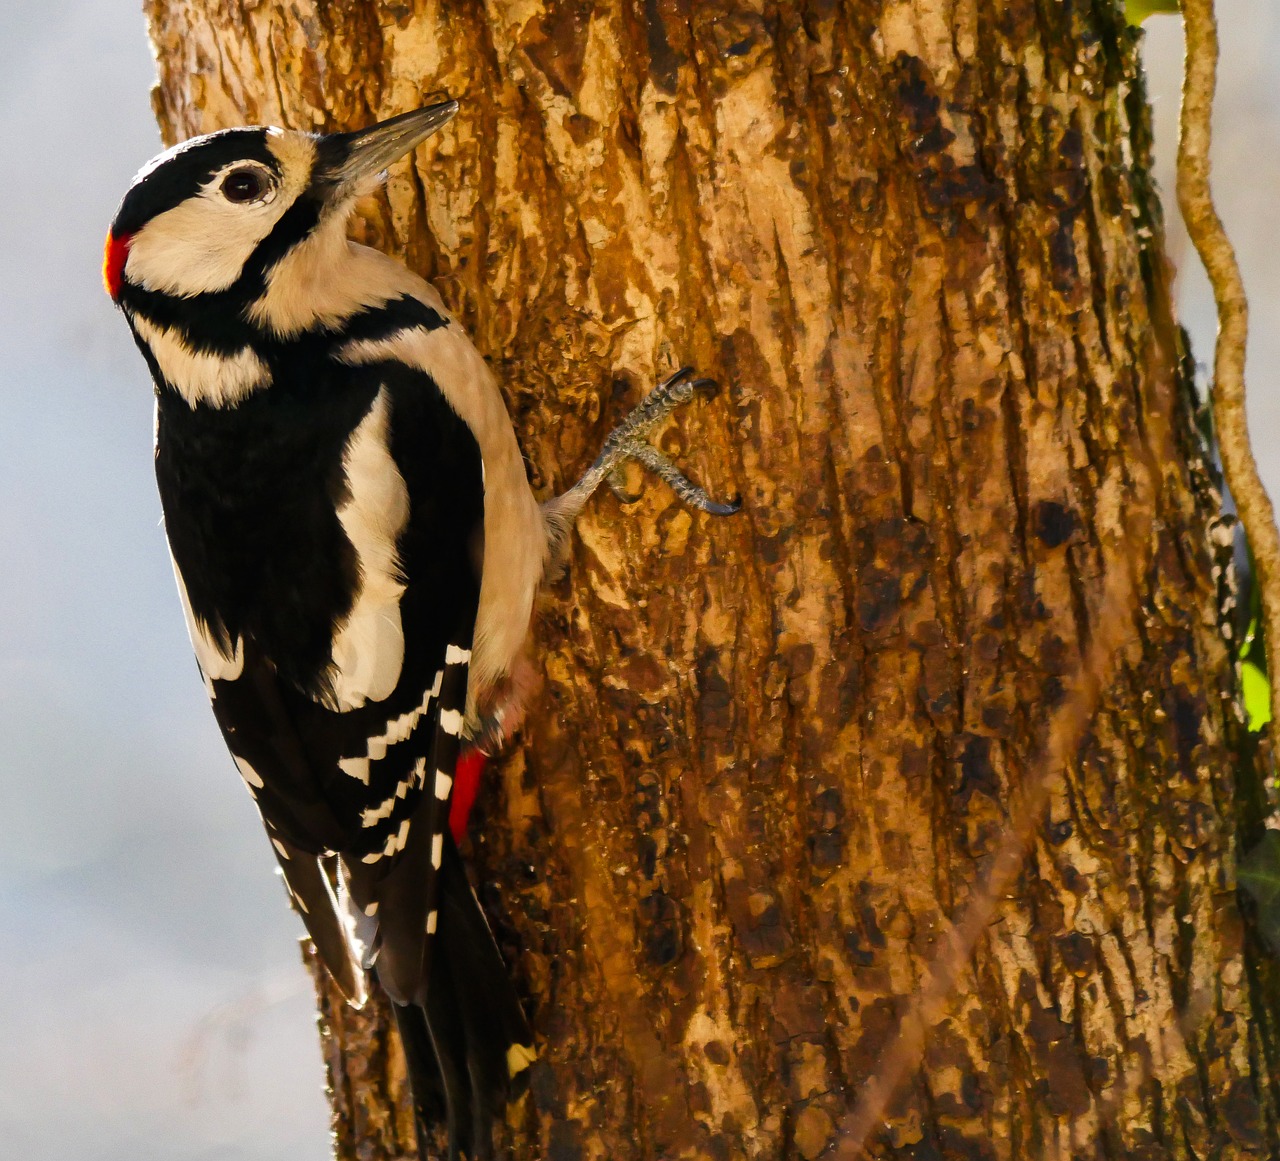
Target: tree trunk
916,242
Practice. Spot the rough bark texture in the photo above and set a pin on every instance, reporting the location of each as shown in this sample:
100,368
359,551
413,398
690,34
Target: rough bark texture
915,241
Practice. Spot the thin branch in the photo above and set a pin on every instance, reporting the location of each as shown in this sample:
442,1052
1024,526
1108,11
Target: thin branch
1066,731
1228,396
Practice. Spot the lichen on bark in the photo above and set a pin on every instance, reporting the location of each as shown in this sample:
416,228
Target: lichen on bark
774,756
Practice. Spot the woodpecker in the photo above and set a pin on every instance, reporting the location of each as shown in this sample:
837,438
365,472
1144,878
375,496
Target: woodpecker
357,550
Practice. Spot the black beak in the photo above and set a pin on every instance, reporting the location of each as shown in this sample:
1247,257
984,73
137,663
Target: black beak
349,160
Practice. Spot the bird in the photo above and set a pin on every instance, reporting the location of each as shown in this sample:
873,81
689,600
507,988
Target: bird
357,549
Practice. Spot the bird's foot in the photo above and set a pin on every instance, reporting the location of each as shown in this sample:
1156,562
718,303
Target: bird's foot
629,441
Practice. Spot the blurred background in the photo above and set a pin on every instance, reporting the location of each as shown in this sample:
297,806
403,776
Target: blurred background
152,1003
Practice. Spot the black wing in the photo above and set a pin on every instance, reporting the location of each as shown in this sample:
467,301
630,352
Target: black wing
250,496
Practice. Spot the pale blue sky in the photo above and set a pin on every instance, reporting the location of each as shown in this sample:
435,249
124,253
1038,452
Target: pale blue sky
152,1005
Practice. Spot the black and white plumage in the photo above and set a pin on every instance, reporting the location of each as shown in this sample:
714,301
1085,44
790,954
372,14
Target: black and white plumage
357,550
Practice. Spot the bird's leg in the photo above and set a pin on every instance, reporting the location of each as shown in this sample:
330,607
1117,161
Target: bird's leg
628,441
496,720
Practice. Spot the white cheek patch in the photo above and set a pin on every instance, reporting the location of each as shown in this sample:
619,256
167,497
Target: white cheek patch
215,663
368,649
202,376
203,243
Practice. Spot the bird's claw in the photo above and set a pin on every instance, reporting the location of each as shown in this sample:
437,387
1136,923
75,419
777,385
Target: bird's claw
627,442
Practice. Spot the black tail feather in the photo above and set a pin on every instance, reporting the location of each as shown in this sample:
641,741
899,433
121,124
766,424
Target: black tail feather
464,1046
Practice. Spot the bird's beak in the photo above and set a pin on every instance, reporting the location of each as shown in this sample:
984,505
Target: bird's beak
351,161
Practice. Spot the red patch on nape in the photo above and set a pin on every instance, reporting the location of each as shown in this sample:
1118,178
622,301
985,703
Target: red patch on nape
114,256
466,785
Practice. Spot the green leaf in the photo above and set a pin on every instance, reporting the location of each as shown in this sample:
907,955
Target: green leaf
1136,11
1250,638
1256,690
1259,875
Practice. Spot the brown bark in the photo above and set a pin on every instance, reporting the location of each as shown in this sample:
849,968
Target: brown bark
774,755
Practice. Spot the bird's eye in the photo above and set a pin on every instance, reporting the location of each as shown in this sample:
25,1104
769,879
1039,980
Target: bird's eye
244,185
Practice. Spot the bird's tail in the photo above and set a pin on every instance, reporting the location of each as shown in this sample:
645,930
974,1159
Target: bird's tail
468,1045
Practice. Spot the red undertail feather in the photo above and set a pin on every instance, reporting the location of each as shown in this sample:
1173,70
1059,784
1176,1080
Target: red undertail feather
466,785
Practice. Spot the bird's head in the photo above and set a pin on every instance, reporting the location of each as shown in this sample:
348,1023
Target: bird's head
221,210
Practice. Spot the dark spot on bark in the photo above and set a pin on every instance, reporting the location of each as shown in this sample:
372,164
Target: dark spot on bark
800,659
564,1142
1074,882
1077,953
715,701
1243,1116
913,87
826,851
947,186
859,952
766,770
664,61
545,1091
720,1147
642,674
1062,254
879,1021
647,855
996,718
772,549
937,691
1055,655
828,808
661,929
870,921
973,1093
879,599
865,195
716,1052
738,39
976,771
1064,1089
799,1011
559,44
758,923
1186,715
1053,523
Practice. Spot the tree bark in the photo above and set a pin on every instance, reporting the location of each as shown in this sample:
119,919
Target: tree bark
917,243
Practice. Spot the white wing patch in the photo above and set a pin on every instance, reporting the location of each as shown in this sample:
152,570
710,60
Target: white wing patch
202,376
215,663
368,649
515,535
